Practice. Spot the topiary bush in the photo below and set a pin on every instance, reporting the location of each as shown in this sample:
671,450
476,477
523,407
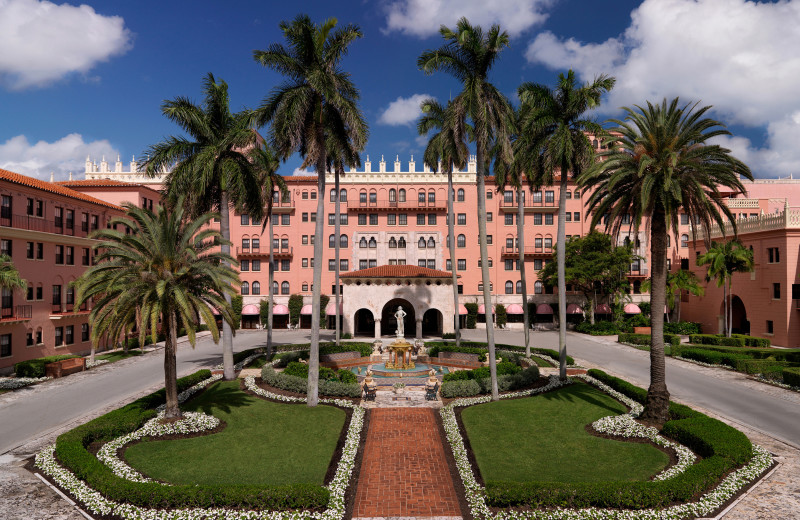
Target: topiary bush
472,315
466,388
501,315
791,376
36,367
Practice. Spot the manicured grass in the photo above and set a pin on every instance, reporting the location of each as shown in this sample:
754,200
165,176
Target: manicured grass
116,356
264,443
543,438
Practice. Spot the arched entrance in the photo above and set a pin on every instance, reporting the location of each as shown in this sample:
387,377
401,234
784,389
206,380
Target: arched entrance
739,323
364,323
389,322
432,323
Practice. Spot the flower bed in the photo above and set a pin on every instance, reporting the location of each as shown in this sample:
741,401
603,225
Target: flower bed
12,383
723,449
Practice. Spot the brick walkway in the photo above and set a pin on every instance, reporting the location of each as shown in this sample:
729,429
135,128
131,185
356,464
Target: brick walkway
404,471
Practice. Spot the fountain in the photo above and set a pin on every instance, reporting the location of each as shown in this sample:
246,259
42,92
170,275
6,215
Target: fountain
400,349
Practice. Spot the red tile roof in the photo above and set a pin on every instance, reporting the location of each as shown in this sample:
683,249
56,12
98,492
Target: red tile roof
103,183
52,187
397,271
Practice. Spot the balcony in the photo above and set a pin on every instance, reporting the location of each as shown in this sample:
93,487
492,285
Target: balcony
389,205
31,223
59,310
638,273
284,206
259,252
15,314
529,206
532,251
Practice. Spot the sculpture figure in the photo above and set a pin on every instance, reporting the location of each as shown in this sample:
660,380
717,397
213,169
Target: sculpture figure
400,314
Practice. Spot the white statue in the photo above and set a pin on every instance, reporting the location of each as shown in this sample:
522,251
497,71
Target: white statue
400,314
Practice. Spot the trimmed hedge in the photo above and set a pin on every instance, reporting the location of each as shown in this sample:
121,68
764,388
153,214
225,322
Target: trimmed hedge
599,328
714,357
723,447
791,376
329,387
480,348
736,340
683,327
504,368
476,386
71,450
644,339
35,367
365,349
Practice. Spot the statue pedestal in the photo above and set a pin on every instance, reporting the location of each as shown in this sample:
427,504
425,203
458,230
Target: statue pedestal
400,355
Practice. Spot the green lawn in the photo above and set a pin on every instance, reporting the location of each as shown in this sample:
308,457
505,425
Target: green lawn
265,443
543,438
116,356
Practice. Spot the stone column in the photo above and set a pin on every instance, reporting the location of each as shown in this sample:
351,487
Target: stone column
419,328
377,328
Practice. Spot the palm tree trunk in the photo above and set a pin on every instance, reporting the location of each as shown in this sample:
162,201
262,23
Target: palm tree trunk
487,294
172,410
313,359
270,282
657,403
521,245
337,296
561,242
227,331
725,308
451,245
730,306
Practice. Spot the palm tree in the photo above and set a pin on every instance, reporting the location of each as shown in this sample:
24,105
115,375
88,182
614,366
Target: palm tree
556,123
9,275
468,55
210,170
448,148
658,165
723,261
317,105
266,163
169,269
677,282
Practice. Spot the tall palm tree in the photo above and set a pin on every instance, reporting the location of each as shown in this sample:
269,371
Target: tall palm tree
659,164
723,261
266,164
210,169
169,269
468,55
447,146
556,120
317,104
677,282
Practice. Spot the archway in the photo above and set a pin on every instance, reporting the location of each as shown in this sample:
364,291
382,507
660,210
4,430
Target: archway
389,322
739,323
364,323
432,322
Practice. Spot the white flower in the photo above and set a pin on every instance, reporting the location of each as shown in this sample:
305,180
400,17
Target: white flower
12,383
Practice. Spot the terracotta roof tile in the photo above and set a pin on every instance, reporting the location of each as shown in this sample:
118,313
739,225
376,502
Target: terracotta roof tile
103,183
52,187
397,271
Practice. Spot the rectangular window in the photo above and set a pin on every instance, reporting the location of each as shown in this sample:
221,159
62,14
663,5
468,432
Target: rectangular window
286,220
373,263
286,264
537,243
94,222
509,265
313,195
304,240
431,264
431,219
403,219
509,219
448,265
70,219
362,219
59,217
313,216
304,195
305,217
70,260
29,339
489,240
362,264
5,247
489,217
331,219
29,210
69,334
420,219
770,327
548,243
246,244
85,258
344,265
568,216
40,293
684,219
773,255
489,195
576,217
5,345
59,254
537,219
508,196
29,250
304,262
548,219
391,219
331,265
460,289
343,219
373,219
244,265
776,291
421,263
537,264
462,264
549,197
462,219
59,338
84,332
255,265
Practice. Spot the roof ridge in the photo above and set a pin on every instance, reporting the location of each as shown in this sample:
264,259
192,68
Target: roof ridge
52,187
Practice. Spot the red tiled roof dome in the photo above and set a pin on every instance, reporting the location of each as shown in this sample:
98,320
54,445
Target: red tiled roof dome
397,271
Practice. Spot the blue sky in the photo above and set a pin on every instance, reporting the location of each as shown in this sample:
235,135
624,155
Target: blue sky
90,79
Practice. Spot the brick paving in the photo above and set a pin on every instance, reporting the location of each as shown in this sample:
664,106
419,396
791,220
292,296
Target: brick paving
404,471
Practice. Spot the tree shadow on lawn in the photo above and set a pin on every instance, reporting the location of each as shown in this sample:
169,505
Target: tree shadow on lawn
218,397
582,392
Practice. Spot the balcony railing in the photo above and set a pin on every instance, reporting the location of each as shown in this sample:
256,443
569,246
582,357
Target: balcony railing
642,271
43,225
386,204
16,313
529,251
264,252
284,206
528,205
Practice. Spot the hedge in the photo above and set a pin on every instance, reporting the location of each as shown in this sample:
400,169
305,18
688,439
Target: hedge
474,386
599,328
480,348
365,349
503,368
791,376
35,367
736,340
714,357
472,315
71,450
723,447
644,339
291,383
683,327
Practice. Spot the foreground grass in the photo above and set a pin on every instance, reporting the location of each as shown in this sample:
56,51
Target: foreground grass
264,443
543,438
116,356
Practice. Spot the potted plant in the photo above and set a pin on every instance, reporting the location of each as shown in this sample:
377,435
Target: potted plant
399,388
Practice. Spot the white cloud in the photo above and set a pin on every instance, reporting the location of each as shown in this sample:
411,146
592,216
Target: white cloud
68,154
403,111
41,42
423,18
303,172
739,56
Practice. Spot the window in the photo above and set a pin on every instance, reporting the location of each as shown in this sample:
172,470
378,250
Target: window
5,247
362,243
489,239
255,265
286,264
305,217
548,243
59,254
420,219
509,287
246,244
421,244
391,219
392,195
402,218
362,219
285,288
461,241
343,195
489,195
569,195
510,243
421,197
70,260
85,258
304,287
568,216
684,240
245,220
276,243
373,219
69,334
508,197
275,286
431,197
509,219
286,220
448,265
374,263
29,250
362,264
669,264
538,287
304,262
332,241
401,243
59,337
84,332
244,265
29,296
59,217
462,219
29,210
5,345
549,197
576,216
372,243
509,265
304,195
343,241
392,243
460,195
519,287
490,217
431,243
39,294
331,265
684,219
431,264
770,327
333,195
537,219
344,265
256,243
773,255
776,291
245,288
70,219
431,219
256,288
548,219
313,216
94,222
331,219
401,195
421,263
462,264
537,242
373,197
313,195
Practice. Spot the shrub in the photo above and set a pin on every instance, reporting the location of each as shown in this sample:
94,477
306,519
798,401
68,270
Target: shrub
501,315
284,358
345,376
336,388
504,368
284,381
347,335
644,339
637,320
327,374
35,367
791,376
467,388
713,357
600,328
365,349
440,347
449,335
761,366
480,348
683,327
736,340
472,314
752,341
297,369
237,302
295,306
331,387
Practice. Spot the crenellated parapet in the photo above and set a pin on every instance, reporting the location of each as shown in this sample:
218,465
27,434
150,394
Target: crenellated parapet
95,171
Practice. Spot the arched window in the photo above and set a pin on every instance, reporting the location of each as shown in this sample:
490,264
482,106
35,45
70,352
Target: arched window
245,288
256,288
393,243
461,241
460,196
538,287
333,195
519,287
684,240
392,195
362,243
373,197
274,287
421,243
421,197
401,195
372,243
401,243
362,196
431,196
332,241
431,243
343,240
285,288
509,287
342,195
594,143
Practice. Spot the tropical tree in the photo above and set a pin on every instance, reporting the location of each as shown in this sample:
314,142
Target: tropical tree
317,105
210,170
446,146
159,267
266,165
559,144
677,282
10,278
468,55
658,165
723,261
